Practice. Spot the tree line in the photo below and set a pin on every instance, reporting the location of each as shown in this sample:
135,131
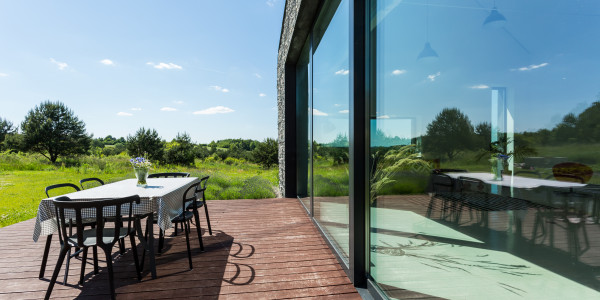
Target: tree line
53,130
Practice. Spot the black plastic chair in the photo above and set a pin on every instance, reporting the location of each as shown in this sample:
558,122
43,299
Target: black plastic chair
194,206
87,222
105,238
82,181
167,175
189,196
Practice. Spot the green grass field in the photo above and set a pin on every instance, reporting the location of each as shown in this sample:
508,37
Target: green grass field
24,177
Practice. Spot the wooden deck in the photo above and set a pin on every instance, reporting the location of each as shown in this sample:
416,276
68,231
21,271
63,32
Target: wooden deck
260,249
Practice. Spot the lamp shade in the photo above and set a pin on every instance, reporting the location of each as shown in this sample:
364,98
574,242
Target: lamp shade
427,54
494,20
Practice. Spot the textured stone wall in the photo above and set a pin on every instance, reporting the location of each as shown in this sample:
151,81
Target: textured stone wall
292,8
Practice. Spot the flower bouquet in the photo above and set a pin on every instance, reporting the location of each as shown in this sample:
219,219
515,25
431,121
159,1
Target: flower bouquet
141,168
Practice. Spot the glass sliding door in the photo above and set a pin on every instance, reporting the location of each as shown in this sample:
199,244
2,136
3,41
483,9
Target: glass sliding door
485,136
330,122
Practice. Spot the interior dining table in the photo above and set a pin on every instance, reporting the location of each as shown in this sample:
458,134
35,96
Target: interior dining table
161,196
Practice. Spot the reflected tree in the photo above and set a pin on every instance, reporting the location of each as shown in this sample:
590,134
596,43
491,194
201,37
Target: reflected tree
449,133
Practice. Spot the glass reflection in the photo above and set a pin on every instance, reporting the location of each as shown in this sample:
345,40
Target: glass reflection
483,161
303,126
330,122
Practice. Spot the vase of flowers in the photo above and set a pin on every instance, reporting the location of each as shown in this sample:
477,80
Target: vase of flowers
498,161
141,168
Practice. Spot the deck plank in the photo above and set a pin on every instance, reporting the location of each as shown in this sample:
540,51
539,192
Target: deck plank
260,249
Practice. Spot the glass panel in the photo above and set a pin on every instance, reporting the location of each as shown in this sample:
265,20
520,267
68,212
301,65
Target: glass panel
484,149
303,122
331,123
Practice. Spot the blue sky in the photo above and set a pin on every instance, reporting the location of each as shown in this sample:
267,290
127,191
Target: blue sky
207,68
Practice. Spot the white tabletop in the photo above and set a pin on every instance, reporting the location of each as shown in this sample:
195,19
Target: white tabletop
163,196
515,181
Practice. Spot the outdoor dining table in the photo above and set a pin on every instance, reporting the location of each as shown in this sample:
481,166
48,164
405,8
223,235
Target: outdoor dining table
162,196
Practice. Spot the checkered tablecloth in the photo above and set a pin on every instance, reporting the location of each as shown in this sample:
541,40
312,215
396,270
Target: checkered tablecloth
163,196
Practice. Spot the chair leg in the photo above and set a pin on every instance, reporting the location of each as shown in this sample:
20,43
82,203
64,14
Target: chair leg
135,256
111,280
207,218
67,267
187,241
59,262
45,257
83,262
122,246
95,250
161,239
198,229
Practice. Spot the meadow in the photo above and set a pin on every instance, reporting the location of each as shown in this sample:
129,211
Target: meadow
23,178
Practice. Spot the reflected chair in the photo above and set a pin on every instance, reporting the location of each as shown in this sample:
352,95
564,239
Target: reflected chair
101,236
475,195
86,222
201,201
93,179
443,188
168,175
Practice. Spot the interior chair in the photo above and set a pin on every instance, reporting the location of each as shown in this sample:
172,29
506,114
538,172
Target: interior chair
200,201
475,195
168,175
101,236
189,196
86,222
442,188
90,180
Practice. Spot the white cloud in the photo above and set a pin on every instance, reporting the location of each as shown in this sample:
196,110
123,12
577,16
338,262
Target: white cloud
479,87
383,117
136,108
432,77
531,67
61,65
342,72
262,95
124,114
271,3
107,62
219,88
337,105
398,72
3,75
257,75
317,112
162,65
214,110
178,102
345,111
168,109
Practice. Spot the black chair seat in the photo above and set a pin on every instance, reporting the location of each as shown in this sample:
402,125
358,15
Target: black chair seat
183,217
89,237
191,205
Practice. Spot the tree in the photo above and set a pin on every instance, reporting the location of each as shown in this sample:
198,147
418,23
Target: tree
6,128
53,130
267,153
449,133
180,150
146,143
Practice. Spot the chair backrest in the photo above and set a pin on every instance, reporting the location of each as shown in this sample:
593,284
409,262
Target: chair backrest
67,209
572,171
472,185
90,179
60,185
190,195
441,183
202,187
167,175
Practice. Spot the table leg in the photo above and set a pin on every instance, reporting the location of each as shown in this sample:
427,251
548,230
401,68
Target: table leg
45,258
151,255
147,243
